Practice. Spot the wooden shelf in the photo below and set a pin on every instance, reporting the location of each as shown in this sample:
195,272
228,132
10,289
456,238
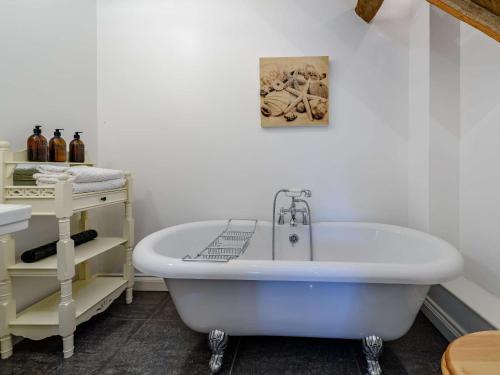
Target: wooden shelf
48,266
43,198
473,14
21,157
91,297
47,162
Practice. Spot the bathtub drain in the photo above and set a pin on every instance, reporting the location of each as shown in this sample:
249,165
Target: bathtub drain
294,238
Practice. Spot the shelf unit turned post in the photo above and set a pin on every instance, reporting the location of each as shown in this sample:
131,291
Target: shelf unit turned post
7,303
7,258
83,269
65,265
128,228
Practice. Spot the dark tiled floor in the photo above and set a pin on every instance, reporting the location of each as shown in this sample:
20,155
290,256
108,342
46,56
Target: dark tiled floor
148,338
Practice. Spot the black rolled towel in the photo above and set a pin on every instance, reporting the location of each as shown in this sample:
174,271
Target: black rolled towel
85,236
49,249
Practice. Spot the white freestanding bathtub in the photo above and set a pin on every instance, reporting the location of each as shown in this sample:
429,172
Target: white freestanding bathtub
365,279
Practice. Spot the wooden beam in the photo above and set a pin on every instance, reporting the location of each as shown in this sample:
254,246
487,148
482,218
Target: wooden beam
367,9
491,5
473,14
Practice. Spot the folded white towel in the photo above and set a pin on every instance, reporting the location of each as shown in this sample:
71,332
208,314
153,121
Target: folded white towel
48,179
86,187
49,168
85,174
56,176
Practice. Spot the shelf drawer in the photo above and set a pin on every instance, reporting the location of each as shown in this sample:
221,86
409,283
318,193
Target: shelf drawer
89,200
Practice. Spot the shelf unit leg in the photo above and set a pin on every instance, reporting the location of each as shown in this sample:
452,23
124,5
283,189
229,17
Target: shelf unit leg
6,346
68,346
128,267
65,265
65,274
83,270
83,223
128,272
7,303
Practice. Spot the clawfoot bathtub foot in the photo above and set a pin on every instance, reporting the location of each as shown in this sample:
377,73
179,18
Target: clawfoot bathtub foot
372,348
217,342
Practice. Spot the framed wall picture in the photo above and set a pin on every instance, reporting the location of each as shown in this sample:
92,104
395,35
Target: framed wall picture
294,91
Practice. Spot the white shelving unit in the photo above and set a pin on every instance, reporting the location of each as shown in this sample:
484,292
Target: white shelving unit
81,294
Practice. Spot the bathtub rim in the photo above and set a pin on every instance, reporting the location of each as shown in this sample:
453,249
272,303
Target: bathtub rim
446,267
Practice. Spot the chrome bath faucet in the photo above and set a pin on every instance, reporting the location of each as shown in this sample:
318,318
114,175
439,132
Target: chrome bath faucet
293,211
297,196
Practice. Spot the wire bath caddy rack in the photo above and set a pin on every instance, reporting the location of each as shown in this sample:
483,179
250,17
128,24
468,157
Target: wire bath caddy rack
229,244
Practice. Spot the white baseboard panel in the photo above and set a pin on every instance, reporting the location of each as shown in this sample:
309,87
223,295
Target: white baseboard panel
448,327
452,317
485,304
145,283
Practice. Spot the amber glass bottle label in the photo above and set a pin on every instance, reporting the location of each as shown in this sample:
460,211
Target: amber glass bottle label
37,149
57,152
60,152
31,155
77,152
43,151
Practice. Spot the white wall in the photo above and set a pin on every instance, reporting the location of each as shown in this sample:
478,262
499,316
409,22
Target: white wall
433,142
444,125
47,65
178,105
48,77
453,181
419,117
480,158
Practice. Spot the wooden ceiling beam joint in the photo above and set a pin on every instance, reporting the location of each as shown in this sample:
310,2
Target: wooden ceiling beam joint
367,9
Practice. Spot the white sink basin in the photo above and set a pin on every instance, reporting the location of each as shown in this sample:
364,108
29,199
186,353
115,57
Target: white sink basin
14,217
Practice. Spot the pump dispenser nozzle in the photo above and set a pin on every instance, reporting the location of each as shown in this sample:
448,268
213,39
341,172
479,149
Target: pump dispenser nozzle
57,132
77,135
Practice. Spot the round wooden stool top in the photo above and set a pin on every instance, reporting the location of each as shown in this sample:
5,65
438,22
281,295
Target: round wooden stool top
474,354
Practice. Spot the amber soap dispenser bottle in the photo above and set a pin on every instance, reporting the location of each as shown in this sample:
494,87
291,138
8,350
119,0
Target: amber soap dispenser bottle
37,146
57,147
77,149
